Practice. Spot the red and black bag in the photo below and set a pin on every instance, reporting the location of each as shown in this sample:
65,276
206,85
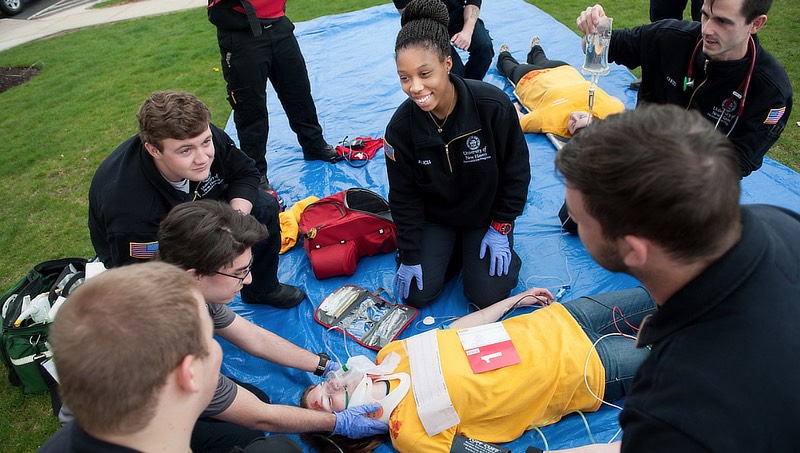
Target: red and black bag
341,228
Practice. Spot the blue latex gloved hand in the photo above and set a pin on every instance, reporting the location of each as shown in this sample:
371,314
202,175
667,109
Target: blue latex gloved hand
354,424
402,281
330,367
499,252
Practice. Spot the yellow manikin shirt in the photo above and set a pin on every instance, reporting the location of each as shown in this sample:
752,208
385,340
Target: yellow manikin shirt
499,405
550,95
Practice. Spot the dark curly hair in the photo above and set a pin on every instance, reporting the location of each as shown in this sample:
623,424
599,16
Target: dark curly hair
424,24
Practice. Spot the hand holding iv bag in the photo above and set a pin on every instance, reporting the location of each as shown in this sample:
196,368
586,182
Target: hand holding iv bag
596,49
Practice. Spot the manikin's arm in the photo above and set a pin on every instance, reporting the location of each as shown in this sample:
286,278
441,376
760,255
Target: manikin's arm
247,410
533,296
463,39
262,343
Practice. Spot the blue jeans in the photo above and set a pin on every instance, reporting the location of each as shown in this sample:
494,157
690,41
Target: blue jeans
597,315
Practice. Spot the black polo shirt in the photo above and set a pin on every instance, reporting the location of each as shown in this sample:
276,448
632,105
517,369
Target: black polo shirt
722,374
72,439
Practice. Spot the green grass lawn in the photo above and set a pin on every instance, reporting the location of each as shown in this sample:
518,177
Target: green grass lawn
57,128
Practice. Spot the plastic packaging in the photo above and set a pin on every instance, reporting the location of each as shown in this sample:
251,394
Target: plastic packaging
596,47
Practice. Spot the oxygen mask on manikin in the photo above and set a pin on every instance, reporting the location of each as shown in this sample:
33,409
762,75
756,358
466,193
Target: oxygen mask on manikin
356,379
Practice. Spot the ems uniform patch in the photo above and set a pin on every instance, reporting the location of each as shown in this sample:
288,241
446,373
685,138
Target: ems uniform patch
775,115
388,149
143,250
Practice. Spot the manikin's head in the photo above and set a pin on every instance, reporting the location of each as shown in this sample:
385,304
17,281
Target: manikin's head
328,396
355,385
174,127
132,341
350,386
213,242
578,120
333,395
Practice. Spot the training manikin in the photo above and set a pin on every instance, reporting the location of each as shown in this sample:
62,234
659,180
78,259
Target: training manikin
358,379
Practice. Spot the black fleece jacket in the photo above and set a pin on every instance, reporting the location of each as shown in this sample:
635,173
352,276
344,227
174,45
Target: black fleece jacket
128,197
477,170
663,50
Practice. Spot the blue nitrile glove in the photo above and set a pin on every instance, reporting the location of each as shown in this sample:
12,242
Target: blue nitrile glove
402,281
499,252
354,424
330,367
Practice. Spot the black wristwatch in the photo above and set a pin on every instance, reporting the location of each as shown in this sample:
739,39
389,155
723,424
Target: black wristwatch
324,359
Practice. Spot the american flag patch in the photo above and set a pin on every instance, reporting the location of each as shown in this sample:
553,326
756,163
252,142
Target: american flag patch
388,150
143,250
775,115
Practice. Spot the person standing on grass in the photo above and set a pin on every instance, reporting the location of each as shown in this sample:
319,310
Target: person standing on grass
257,44
673,9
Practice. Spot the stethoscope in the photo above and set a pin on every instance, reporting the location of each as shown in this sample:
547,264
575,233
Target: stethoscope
739,93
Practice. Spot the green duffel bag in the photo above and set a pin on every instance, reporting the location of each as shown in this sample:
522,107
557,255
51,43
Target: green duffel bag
23,333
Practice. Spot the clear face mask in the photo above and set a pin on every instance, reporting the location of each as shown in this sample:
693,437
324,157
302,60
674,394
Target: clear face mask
341,381
352,385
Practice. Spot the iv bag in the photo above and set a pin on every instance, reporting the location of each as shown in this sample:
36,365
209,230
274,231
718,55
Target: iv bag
596,62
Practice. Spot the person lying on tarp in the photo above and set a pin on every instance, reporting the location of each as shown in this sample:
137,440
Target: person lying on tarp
554,93
572,356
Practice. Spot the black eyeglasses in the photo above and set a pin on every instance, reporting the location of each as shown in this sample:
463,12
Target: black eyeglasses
244,276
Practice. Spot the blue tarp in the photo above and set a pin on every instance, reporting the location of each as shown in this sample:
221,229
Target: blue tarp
350,60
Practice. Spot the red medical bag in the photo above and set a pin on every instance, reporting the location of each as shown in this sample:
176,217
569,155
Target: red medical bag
341,228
